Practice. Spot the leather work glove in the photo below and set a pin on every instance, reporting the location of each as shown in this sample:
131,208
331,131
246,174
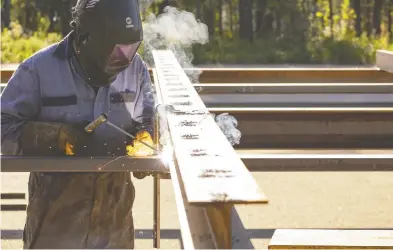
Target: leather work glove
137,149
43,139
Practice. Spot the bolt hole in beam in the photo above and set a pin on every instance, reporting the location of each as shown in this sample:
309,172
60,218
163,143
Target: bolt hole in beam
198,152
219,152
174,84
187,103
179,96
177,89
190,136
188,123
214,178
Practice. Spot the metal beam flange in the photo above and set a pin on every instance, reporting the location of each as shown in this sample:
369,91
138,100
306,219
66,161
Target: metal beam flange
210,169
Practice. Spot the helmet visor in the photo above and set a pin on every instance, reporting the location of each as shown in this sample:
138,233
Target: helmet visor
121,57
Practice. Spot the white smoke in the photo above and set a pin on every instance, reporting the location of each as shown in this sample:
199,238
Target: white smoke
228,125
177,30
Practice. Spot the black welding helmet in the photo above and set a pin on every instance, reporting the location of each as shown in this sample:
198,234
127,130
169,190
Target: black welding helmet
109,32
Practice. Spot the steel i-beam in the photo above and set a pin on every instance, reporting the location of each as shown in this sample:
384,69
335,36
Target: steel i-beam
151,164
210,175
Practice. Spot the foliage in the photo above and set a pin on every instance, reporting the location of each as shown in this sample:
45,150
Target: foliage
321,44
341,45
307,32
17,46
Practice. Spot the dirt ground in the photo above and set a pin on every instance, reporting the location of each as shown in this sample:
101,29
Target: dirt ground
297,200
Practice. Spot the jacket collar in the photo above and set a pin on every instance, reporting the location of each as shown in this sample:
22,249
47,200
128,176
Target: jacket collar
63,49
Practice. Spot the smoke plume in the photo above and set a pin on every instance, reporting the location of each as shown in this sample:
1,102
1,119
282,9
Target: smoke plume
177,30
228,125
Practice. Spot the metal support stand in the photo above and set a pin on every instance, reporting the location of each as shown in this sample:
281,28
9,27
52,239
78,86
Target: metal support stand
156,212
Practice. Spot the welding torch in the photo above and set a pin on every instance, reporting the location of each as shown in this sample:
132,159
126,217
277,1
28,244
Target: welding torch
104,118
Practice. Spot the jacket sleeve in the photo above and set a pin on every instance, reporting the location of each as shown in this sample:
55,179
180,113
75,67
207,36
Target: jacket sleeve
144,106
20,102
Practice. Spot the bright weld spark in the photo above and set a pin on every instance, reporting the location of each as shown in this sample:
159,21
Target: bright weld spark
166,155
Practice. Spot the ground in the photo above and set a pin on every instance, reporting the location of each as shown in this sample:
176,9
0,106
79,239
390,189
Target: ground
297,200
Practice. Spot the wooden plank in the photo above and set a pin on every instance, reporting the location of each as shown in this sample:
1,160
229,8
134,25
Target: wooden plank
302,75
306,129
331,239
384,60
217,176
312,100
12,195
13,204
317,153
313,160
302,110
325,88
316,141
6,74
277,75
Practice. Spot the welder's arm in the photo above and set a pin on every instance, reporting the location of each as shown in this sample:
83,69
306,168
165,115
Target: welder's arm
20,106
20,103
50,139
145,102
143,117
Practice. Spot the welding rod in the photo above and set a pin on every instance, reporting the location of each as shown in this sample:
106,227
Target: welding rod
97,122
104,118
130,135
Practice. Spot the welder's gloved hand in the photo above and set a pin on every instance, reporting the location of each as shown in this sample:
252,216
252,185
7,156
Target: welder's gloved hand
48,139
137,148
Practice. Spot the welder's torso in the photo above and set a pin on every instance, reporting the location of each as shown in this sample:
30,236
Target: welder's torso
70,99
83,210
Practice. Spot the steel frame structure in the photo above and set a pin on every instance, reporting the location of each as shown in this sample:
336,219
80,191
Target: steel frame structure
306,74
205,223
255,160
205,191
82,164
203,176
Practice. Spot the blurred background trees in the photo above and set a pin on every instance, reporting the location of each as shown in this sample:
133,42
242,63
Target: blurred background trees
241,31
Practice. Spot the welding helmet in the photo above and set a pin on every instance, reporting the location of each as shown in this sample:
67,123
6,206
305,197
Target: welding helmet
109,32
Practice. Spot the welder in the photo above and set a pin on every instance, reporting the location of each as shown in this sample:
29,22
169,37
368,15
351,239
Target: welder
45,107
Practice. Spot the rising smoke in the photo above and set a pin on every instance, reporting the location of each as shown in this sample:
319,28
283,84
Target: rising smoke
228,125
177,30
